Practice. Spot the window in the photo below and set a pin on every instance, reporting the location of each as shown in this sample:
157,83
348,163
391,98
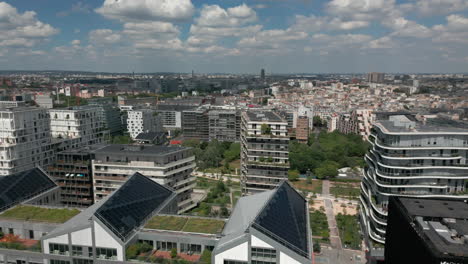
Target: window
31,234
106,253
82,261
263,255
190,248
227,261
58,249
165,246
10,231
77,251
56,261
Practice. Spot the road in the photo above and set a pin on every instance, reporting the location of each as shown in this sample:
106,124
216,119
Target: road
334,235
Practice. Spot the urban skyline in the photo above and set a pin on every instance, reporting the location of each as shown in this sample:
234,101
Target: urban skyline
235,36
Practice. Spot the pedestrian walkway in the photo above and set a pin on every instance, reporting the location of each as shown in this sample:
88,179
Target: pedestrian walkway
334,234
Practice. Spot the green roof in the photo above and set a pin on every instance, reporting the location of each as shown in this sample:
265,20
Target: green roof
39,214
186,224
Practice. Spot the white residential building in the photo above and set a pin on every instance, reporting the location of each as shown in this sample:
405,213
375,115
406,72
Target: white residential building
24,139
143,120
82,122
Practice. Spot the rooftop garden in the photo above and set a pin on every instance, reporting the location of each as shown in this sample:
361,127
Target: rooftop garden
186,224
39,214
11,241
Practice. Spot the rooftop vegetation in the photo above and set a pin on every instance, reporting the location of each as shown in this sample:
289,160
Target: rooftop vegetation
39,214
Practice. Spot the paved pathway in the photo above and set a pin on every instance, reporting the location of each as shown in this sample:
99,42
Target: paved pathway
334,235
212,176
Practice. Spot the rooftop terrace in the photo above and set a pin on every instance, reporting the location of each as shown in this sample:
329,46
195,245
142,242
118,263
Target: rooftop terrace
186,224
39,214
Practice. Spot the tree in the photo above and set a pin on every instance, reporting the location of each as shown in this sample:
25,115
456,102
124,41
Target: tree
205,257
174,253
317,121
232,153
224,212
293,175
317,248
265,129
328,169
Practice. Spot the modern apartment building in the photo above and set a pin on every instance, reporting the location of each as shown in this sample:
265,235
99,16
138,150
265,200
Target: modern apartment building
80,122
171,166
109,113
359,122
25,139
142,121
224,125
302,129
264,151
409,158
195,124
72,172
171,115
375,77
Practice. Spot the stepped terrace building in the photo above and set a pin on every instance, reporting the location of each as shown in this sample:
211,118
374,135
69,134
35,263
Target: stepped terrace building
410,158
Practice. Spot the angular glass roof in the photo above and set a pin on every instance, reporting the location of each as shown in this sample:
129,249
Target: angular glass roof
131,205
21,186
284,219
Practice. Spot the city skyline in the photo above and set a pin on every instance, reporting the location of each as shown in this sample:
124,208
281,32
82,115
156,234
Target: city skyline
235,36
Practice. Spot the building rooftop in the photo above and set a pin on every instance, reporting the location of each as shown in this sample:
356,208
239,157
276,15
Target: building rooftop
130,206
408,124
266,116
39,214
442,224
149,136
149,150
19,187
270,212
186,224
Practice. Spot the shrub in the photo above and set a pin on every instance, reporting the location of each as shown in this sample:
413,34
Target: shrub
317,248
174,253
205,257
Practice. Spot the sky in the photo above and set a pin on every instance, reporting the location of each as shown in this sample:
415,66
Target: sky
231,36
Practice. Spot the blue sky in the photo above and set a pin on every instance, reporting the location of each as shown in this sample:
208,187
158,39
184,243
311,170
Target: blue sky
282,36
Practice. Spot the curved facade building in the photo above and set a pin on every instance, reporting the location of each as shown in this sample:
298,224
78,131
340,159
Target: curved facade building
409,158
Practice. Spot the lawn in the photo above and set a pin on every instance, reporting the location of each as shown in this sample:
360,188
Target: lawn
315,186
199,225
319,225
348,227
39,214
345,191
167,223
186,224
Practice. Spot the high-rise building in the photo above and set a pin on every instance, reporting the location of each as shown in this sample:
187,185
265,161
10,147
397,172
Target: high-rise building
142,121
171,166
80,122
358,122
25,139
410,158
432,231
375,77
195,124
224,124
302,129
264,151
262,74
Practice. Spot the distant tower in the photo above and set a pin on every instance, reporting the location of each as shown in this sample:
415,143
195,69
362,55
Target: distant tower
262,74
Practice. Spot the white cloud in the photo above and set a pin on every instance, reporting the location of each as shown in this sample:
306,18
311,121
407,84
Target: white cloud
407,28
224,31
385,42
153,10
271,38
215,16
435,7
76,42
104,36
455,31
148,28
21,29
314,23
